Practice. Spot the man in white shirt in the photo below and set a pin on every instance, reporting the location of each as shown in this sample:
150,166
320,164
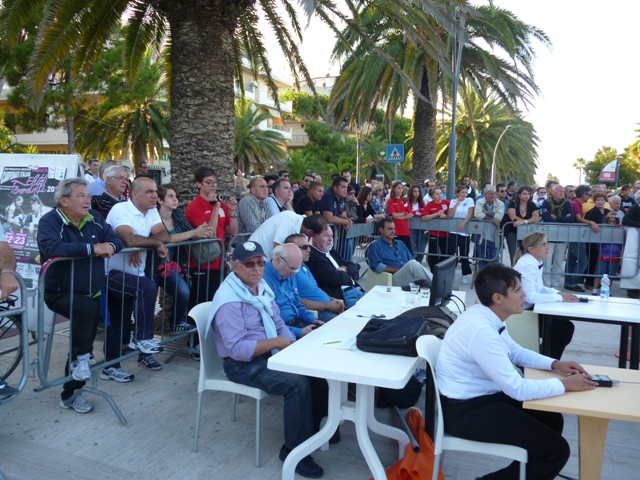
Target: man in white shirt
482,392
280,199
276,229
138,223
93,167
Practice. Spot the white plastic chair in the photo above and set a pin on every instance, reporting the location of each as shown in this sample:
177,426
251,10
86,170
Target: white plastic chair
428,347
212,376
373,279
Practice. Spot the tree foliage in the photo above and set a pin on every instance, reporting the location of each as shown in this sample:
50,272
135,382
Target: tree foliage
305,106
327,151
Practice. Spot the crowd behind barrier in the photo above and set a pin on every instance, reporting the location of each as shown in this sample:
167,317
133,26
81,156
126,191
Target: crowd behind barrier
164,314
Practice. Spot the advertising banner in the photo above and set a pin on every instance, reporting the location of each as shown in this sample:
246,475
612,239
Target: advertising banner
27,185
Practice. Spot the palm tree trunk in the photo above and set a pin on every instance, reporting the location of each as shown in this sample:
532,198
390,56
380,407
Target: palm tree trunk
202,94
424,135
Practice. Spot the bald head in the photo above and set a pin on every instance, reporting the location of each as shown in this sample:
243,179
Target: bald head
287,259
557,191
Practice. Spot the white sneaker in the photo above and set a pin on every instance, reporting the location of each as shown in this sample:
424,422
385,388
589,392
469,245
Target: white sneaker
78,403
465,279
80,369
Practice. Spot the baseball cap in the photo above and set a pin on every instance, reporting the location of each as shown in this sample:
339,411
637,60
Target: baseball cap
247,250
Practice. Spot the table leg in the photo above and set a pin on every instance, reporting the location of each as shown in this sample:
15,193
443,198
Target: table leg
592,435
310,445
363,415
624,344
635,341
387,430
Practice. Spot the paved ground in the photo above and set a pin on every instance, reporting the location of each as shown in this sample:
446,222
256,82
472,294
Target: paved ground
41,441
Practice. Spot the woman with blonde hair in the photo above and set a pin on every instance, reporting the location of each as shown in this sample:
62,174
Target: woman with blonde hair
529,260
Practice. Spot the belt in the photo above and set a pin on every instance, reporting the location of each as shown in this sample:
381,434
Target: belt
350,288
450,401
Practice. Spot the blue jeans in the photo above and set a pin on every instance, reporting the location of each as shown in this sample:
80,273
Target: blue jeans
610,268
326,315
305,398
487,253
128,294
418,244
175,285
576,264
352,296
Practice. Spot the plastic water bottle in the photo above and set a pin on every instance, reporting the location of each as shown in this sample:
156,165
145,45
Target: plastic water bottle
605,287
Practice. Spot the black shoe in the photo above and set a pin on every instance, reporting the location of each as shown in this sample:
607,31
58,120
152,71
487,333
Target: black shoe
307,467
6,390
577,288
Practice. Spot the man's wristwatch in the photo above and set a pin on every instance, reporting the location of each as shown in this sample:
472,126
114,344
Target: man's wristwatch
8,270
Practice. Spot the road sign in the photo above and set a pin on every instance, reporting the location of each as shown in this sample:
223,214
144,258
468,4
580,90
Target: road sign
395,153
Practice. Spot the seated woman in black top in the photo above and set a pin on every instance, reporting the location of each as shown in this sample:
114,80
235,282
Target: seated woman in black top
521,211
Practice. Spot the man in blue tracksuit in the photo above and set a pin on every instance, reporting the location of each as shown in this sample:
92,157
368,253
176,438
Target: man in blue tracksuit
73,230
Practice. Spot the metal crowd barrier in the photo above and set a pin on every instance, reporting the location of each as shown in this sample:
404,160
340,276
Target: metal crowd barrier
46,332
8,344
611,237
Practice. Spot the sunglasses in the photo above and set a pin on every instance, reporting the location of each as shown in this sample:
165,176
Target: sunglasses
304,247
253,263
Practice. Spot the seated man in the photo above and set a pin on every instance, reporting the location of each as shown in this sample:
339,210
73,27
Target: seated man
334,275
138,223
248,329
73,230
481,391
280,276
390,255
8,285
312,296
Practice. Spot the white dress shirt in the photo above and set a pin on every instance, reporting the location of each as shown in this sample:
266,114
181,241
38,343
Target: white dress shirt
476,359
531,273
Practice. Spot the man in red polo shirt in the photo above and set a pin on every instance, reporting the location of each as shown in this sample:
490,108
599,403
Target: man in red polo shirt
207,208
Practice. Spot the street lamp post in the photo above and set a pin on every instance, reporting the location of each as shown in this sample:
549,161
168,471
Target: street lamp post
495,150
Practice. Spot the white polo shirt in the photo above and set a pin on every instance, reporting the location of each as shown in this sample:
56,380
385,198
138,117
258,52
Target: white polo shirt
126,213
276,229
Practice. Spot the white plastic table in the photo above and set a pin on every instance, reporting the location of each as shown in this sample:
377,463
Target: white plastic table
322,354
617,310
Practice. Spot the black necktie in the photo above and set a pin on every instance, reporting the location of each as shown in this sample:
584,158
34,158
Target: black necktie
501,330
540,266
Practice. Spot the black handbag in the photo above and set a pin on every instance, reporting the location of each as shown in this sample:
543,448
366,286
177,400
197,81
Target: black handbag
399,335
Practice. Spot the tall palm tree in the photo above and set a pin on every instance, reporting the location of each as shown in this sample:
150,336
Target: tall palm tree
497,53
255,146
479,126
207,40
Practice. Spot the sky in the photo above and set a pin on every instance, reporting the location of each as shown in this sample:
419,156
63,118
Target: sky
587,79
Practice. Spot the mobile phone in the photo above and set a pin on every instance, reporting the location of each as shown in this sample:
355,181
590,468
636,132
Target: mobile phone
602,380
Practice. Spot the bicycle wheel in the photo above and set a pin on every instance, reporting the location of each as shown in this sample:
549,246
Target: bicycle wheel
10,345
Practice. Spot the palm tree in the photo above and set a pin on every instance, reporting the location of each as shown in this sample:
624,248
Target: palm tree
579,165
255,146
497,54
206,41
297,164
479,126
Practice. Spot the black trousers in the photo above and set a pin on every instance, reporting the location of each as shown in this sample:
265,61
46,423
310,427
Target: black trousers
498,418
561,335
85,316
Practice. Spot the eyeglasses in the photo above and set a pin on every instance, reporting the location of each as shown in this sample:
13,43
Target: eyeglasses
81,196
119,178
502,191
304,247
209,183
351,193
293,270
253,263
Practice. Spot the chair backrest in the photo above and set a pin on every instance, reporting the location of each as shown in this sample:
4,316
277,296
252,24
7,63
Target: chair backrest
210,362
373,279
523,329
428,347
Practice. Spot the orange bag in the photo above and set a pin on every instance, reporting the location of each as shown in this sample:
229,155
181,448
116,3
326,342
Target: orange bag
415,466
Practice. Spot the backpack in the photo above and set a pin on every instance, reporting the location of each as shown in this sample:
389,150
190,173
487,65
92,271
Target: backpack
398,336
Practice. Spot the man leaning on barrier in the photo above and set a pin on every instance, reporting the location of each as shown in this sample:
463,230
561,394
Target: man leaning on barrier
73,230
8,285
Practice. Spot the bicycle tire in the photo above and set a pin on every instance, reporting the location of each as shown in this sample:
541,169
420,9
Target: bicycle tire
10,345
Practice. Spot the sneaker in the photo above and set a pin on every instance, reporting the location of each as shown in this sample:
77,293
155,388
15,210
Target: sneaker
80,369
116,373
149,362
148,346
594,292
465,279
92,360
78,403
196,356
6,389
307,467
184,327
